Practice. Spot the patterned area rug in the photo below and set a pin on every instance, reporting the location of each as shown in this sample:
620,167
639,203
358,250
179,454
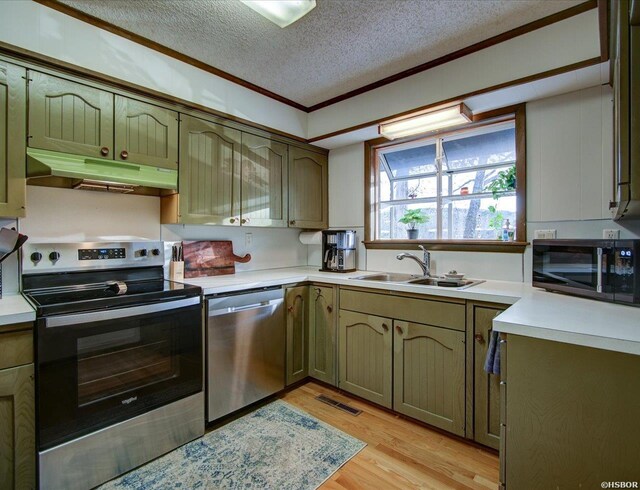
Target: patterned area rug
275,447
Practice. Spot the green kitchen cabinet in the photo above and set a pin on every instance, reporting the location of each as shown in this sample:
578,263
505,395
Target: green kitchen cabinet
13,96
322,333
208,177
264,182
297,348
308,189
365,356
570,417
70,117
486,387
429,374
145,133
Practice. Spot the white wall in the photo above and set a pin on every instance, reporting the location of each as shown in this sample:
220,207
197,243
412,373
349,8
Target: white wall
560,44
66,215
10,265
37,28
271,247
569,175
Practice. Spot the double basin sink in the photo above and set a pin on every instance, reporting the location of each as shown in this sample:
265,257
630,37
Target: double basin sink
437,281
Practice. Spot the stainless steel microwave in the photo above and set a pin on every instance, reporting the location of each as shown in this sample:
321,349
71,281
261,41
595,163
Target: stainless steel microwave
600,269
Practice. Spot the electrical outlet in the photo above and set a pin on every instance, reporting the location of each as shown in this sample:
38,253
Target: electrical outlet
544,234
248,240
611,234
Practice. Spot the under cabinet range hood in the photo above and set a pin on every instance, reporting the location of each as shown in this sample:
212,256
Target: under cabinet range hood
79,172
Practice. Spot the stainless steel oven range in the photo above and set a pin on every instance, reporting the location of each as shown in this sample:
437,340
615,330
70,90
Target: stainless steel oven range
119,359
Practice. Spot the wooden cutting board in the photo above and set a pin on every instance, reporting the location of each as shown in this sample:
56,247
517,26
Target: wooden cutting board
210,258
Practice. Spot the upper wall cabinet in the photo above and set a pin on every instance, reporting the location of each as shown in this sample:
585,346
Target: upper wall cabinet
12,140
75,118
209,176
264,182
308,189
145,133
70,117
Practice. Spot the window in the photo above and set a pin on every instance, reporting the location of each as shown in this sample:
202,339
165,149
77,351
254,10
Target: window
457,188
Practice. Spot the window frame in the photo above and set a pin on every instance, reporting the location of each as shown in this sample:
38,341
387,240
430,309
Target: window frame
371,191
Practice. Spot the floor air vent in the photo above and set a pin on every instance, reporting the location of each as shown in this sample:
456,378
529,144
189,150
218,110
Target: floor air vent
338,405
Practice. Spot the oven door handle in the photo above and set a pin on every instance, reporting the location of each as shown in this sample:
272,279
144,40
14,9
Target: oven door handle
98,316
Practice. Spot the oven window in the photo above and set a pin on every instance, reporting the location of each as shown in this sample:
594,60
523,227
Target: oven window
114,363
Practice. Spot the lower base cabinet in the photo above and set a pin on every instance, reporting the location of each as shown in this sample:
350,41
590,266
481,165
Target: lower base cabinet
297,349
365,346
571,416
17,428
322,333
429,375
486,387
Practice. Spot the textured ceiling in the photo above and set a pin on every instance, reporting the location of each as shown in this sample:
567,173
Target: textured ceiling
340,46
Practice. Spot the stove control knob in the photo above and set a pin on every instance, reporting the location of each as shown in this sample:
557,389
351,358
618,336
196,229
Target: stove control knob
36,257
143,252
54,256
155,252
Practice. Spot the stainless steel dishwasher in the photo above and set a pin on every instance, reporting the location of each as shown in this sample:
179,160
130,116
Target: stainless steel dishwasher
245,349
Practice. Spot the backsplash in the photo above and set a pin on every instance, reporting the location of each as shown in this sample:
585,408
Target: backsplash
270,248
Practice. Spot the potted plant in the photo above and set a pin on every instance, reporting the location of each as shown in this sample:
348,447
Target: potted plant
411,218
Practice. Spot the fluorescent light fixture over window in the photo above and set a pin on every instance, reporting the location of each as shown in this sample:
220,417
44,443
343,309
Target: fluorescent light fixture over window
425,122
281,12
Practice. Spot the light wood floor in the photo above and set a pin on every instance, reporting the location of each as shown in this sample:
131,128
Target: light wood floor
399,453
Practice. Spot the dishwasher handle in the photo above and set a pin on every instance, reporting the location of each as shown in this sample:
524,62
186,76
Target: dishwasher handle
236,309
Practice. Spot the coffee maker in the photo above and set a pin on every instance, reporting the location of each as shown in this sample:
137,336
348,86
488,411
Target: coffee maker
338,251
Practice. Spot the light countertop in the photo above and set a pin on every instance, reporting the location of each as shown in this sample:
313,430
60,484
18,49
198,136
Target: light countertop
573,320
534,313
15,309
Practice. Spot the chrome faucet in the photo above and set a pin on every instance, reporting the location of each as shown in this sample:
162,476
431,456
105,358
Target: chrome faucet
425,263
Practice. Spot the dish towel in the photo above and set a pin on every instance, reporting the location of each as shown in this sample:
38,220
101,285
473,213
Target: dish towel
492,361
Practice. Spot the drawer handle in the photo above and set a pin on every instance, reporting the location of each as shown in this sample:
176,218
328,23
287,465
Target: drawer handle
104,151
399,330
124,154
479,338
329,309
385,327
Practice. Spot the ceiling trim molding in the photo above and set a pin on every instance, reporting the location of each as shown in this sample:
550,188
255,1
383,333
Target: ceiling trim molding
505,36
160,48
603,24
460,98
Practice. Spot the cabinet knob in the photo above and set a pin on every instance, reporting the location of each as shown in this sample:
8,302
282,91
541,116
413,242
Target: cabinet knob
290,309
329,308
399,330
104,151
232,220
124,154
244,221
385,327
479,338
292,222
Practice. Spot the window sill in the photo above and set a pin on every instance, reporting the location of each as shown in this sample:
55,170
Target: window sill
449,245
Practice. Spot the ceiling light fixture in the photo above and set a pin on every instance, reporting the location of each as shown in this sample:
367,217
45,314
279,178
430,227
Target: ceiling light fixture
425,122
281,12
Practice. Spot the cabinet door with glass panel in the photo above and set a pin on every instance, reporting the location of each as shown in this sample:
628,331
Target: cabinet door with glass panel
455,186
